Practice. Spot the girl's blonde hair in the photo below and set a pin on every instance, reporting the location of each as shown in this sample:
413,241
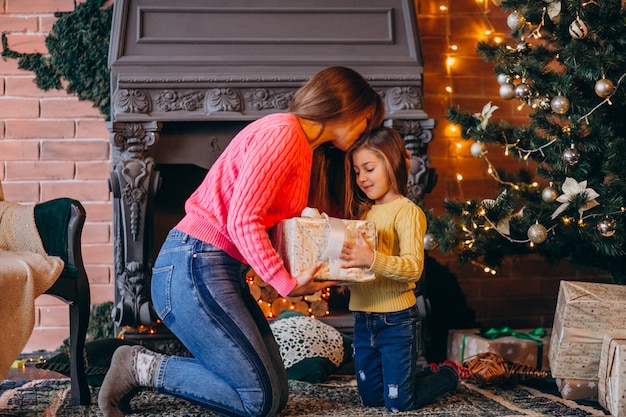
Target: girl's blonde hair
335,93
389,147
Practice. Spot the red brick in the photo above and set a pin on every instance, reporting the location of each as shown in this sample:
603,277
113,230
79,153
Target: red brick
18,23
8,66
39,6
101,211
74,150
92,170
99,275
46,339
21,192
39,128
101,294
98,253
27,44
36,170
54,316
25,86
80,190
96,233
19,150
69,107
19,108
46,23
89,128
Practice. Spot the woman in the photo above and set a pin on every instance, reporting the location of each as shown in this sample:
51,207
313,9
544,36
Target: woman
270,171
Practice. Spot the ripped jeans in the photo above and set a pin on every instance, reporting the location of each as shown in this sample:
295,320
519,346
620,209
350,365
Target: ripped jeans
385,360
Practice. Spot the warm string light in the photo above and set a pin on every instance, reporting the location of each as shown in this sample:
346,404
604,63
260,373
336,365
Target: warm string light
485,268
314,305
603,102
620,211
536,33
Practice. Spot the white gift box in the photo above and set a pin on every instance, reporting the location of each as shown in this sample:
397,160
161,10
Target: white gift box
612,373
301,242
584,312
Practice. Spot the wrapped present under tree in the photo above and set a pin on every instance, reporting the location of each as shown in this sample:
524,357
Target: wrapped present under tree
527,347
584,312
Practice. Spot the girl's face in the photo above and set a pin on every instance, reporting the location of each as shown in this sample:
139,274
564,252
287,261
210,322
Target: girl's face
371,176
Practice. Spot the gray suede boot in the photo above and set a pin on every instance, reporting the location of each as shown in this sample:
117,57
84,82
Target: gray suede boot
132,368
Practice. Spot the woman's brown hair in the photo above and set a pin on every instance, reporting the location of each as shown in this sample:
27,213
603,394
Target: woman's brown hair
335,93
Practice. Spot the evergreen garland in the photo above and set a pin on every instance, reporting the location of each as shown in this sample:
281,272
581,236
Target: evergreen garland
78,48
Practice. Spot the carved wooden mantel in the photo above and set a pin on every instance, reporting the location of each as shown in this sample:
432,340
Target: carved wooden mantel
187,75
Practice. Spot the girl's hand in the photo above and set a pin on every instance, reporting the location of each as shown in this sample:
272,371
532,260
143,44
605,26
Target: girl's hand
306,286
357,255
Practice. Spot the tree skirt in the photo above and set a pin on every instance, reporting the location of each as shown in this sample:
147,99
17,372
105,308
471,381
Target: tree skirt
336,398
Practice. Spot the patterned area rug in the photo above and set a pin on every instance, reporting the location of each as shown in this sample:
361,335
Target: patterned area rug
336,398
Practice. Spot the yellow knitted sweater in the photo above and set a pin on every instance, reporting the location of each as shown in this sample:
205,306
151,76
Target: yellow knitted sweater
398,261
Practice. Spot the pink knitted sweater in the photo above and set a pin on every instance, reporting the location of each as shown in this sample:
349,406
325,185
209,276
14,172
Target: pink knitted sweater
262,177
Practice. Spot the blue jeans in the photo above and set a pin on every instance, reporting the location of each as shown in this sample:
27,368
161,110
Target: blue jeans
202,296
385,360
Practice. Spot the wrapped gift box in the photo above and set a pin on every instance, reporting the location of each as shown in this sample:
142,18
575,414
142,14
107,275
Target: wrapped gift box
584,312
303,241
578,389
612,373
526,347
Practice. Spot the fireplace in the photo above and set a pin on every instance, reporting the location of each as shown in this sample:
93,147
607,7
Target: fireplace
187,75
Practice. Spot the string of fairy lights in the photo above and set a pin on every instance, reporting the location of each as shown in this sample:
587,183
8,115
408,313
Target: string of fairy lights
518,87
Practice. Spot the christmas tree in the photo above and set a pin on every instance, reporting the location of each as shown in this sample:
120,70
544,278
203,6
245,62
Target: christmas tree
567,70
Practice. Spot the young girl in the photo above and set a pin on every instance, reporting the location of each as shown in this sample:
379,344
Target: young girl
386,316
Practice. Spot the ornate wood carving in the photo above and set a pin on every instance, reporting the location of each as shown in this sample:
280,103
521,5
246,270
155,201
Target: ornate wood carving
133,183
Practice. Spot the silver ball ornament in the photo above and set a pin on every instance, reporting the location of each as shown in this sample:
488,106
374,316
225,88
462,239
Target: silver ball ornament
515,20
559,104
507,91
578,29
477,149
604,88
571,156
503,78
430,242
549,194
537,233
607,227
522,91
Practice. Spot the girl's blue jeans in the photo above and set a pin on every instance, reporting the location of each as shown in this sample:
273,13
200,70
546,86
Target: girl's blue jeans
385,360
202,296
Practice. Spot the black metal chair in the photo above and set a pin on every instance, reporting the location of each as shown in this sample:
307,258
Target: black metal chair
60,225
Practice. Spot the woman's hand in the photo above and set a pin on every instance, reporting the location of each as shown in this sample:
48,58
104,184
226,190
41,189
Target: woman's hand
306,286
357,255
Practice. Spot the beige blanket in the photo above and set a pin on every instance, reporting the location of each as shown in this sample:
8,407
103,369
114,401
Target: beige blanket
25,273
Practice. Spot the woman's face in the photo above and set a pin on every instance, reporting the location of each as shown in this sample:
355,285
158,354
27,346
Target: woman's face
343,134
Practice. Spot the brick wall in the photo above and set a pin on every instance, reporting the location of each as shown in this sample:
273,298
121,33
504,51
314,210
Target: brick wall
53,145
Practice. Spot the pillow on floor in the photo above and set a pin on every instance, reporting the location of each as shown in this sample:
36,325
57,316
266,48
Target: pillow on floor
311,350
